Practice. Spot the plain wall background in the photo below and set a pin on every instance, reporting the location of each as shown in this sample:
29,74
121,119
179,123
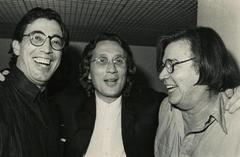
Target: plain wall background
224,17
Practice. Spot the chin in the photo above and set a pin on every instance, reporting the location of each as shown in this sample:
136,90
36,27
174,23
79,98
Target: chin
43,79
173,100
112,94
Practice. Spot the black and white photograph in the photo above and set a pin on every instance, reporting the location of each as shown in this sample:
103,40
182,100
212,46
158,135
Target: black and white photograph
119,78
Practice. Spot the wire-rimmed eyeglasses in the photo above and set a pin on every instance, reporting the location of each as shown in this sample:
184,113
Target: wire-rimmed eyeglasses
170,64
120,60
38,38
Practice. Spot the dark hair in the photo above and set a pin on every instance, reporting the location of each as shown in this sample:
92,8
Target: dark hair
30,17
87,56
217,68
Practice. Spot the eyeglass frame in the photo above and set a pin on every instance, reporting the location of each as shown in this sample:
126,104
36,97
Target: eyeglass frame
172,65
47,36
108,61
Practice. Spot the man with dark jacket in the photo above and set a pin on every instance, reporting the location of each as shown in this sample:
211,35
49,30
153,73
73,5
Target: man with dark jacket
108,117
29,125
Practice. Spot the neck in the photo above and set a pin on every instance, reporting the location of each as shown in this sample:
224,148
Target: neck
106,99
199,114
39,84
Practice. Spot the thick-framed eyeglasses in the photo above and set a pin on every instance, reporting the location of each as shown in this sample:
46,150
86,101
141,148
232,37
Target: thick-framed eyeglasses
103,61
38,38
170,64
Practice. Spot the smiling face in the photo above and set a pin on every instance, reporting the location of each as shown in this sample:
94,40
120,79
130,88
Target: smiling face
181,83
108,80
38,63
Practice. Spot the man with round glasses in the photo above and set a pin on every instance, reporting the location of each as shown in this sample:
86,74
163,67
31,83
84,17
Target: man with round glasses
193,119
113,118
38,38
29,125
170,64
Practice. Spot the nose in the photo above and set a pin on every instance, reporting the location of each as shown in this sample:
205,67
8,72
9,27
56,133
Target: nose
111,67
46,47
164,74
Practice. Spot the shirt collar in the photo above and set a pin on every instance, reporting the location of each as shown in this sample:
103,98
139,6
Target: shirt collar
218,113
21,82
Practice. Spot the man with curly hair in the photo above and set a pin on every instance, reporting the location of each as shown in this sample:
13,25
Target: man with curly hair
112,118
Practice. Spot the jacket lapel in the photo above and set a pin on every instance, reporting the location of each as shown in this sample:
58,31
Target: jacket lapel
128,127
85,120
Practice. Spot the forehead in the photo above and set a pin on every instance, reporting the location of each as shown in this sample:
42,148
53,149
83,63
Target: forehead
108,48
48,27
180,49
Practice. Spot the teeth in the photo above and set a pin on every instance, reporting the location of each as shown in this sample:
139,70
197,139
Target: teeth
42,60
111,80
170,87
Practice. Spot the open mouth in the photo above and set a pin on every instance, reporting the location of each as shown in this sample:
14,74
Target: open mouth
111,81
170,88
42,61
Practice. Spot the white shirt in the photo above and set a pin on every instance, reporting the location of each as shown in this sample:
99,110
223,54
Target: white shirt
106,139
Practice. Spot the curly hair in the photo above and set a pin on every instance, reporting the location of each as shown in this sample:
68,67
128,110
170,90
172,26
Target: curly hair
87,56
30,17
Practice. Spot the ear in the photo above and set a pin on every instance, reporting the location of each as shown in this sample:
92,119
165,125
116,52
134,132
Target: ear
16,47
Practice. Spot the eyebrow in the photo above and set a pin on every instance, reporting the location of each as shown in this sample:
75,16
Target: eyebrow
123,56
39,31
105,55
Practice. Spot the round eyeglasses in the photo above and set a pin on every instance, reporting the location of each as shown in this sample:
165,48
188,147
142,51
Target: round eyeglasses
38,38
170,64
120,60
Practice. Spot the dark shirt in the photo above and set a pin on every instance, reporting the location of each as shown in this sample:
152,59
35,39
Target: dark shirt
30,124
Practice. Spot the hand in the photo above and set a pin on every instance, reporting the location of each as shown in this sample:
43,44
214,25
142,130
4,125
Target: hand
233,96
3,74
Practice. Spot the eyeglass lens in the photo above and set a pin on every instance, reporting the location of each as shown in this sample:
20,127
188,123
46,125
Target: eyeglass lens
105,61
39,38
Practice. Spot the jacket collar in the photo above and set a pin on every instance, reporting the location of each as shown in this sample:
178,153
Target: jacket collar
29,91
21,82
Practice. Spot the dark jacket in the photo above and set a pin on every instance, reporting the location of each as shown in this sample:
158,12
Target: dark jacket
29,124
139,121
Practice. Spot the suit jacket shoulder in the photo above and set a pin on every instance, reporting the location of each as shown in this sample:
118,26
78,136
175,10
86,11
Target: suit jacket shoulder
68,102
140,121
146,100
